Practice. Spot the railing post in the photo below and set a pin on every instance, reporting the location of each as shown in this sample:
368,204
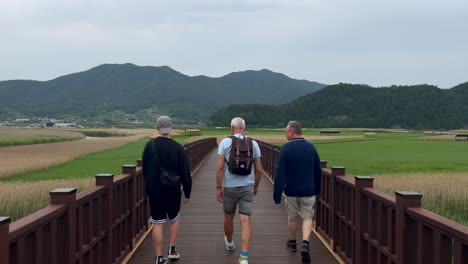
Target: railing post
139,163
131,169
335,171
128,169
108,214
360,217
323,163
67,197
405,232
4,239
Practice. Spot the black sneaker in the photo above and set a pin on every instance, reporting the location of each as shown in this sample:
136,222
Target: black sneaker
161,260
292,246
305,253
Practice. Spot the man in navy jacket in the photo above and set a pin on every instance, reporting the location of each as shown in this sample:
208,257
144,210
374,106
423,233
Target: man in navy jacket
299,175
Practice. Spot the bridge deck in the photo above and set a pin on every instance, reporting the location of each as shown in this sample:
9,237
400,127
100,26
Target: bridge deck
200,238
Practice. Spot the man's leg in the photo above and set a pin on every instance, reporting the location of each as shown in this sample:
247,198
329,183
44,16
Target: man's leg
307,211
306,229
245,208
229,207
158,218
157,236
292,211
292,227
229,225
246,232
173,212
173,230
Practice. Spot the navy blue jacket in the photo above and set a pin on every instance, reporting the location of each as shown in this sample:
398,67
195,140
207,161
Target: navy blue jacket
299,173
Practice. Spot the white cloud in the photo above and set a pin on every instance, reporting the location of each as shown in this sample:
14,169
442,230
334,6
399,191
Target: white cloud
369,41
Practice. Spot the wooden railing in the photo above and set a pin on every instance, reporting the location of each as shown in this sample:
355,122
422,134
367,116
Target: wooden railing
99,225
365,226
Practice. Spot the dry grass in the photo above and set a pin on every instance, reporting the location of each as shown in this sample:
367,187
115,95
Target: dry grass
443,193
20,159
440,137
30,132
20,199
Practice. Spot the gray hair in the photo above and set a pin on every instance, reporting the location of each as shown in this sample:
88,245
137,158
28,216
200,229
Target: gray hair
238,122
295,127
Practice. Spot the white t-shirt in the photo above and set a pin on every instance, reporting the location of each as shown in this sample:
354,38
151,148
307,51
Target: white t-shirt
233,180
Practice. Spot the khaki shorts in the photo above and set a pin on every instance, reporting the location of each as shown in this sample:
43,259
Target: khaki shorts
303,206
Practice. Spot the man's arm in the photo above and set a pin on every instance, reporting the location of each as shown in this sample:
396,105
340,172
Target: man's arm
184,173
219,177
317,174
258,173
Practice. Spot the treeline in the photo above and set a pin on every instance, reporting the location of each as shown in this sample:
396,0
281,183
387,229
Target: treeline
348,105
112,89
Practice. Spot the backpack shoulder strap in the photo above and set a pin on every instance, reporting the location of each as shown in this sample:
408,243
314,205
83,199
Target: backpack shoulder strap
232,141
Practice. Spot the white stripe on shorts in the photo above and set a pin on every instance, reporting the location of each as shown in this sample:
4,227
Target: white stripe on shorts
176,218
161,221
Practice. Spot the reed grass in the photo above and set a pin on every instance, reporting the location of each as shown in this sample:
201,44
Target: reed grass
445,194
18,199
18,141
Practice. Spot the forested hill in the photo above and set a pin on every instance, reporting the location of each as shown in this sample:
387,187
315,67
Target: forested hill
127,88
348,105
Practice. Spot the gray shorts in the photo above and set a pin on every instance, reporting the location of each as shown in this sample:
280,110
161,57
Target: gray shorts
303,206
238,195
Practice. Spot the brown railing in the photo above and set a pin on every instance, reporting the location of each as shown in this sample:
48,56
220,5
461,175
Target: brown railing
197,151
99,225
365,226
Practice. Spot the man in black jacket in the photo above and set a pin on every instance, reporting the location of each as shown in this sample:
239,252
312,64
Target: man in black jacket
164,199
299,175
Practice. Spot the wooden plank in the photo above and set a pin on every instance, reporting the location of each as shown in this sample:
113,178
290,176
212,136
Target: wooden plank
200,238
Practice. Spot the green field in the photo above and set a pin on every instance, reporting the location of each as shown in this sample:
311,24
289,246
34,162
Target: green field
387,156
109,161
275,132
399,161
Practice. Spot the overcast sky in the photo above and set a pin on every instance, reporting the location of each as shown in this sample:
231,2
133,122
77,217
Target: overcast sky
376,42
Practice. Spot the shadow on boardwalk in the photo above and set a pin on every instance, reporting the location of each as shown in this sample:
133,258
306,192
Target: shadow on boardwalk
201,240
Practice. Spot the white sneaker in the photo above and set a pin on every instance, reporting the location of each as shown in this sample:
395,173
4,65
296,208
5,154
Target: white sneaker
230,246
172,254
244,261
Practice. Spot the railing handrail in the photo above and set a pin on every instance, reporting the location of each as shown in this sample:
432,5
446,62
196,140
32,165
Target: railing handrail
40,217
445,225
389,225
128,220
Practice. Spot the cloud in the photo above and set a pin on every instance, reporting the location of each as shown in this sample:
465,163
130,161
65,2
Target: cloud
328,41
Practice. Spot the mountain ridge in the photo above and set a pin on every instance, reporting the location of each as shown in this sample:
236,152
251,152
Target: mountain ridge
130,89
351,105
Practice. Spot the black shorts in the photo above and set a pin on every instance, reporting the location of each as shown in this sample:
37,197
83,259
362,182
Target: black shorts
165,204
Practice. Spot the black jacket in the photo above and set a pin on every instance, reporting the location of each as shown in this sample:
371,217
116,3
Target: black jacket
299,172
172,157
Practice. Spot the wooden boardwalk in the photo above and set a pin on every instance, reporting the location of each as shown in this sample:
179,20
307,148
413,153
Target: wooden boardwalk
200,238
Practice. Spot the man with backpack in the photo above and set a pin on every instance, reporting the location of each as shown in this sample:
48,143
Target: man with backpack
165,168
237,183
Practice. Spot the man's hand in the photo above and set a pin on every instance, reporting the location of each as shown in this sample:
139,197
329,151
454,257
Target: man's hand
186,200
255,190
219,194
